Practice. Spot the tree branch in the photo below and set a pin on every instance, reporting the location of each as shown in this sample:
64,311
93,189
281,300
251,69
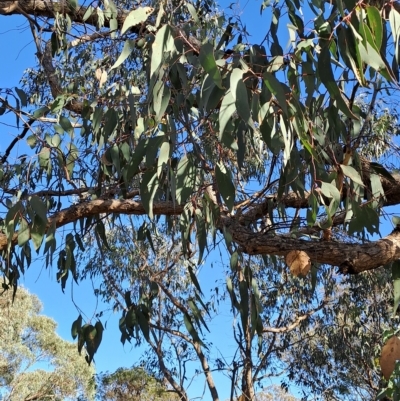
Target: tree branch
352,258
296,323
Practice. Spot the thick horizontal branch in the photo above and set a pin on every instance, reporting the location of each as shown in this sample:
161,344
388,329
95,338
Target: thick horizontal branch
48,9
351,258
99,206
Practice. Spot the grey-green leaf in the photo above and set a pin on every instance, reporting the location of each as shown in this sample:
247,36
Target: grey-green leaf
225,185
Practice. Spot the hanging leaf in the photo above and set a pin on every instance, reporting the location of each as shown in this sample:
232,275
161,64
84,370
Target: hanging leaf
148,188
76,327
190,328
136,17
207,61
185,179
201,233
163,43
143,324
163,157
396,285
194,279
234,261
276,88
197,314
326,75
228,107
352,173
129,45
225,185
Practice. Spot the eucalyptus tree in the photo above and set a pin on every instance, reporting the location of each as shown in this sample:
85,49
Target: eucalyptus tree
167,111
132,384
35,363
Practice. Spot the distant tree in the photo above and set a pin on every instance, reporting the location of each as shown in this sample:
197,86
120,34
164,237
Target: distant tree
133,384
275,393
35,363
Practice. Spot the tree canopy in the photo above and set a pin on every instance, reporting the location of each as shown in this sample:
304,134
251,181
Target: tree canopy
133,384
35,363
167,111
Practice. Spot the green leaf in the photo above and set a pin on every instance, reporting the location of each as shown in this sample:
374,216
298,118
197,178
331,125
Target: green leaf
136,17
207,61
197,314
41,112
161,97
148,188
190,328
114,152
396,285
163,157
143,324
276,88
111,122
66,125
330,191
76,327
100,230
185,179
234,260
163,43
242,103
228,107
352,173
37,232
194,279
327,78
201,233
99,334
44,157
192,12
225,185
39,207
24,233
73,4
31,141
22,96
81,338
129,45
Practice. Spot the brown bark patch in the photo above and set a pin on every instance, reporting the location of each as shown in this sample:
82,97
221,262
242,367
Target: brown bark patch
390,354
299,263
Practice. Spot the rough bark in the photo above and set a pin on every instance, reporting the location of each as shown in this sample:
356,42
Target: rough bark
352,258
